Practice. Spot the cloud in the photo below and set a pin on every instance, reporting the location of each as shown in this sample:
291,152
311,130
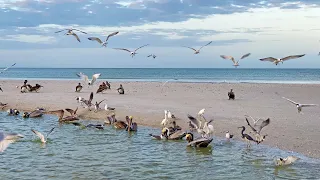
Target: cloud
29,38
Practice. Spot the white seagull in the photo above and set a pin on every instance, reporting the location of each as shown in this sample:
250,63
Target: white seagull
277,61
86,79
103,43
198,51
70,32
235,63
254,121
228,135
131,52
7,68
299,106
6,139
41,136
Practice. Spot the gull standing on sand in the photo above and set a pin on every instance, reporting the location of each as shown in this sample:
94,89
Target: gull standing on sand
86,79
198,51
41,136
299,106
133,53
103,44
97,105
6,139
70,32
107,108
7,68
235,63
276,61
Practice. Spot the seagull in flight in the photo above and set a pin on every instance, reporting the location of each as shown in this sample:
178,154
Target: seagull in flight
6,139
41,136
198,51
86,79
7,68
276,61
103,44
235,63
254,120
299,106
70,32
152,55
133,53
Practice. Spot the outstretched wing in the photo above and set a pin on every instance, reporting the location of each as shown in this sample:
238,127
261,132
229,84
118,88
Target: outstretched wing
95,39
295,103
71,111
95,77
253,129
61,30
59,113
271,59
76,36
101,102
190,48
263,124
79,31
7,68
123,49
141,47
292,57
38,134
83,77
228,57
194,121
246,55
50,131
308,105
206,44
91,97
112,34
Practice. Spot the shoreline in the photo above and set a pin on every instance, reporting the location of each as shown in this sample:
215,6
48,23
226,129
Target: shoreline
146,102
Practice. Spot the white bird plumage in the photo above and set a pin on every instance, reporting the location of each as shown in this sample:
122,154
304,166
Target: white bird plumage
6,139
276,61
41,136
103,43
235,63
133,53
299,105
198,51
86,79
7,68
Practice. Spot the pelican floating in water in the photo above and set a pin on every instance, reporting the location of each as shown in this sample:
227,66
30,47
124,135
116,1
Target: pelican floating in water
73,115
299,106
286,161
41,136
276,61
133,53
231,94
86,79
177,135
198,51
6,139
13,112
235,63
97,126
3,70
247,137
103,43
131,126
200,142
33,114
78,87
259,138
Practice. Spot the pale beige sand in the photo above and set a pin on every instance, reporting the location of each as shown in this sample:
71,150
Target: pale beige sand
146,101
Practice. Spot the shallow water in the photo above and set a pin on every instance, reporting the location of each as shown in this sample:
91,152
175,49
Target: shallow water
74,153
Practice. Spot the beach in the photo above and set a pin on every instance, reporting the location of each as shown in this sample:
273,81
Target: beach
146,102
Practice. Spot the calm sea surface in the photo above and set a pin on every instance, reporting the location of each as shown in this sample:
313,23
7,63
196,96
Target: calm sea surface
180,75
73,153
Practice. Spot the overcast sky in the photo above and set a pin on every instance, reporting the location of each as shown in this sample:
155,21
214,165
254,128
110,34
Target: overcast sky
264,28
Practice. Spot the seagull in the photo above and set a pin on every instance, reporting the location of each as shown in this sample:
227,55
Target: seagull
228,135
6,139
259,137
235,63
103,44
88,102
254,121
41,136
107,108
198,51
202,127
152,55
97,105
299,106
201,112
86,80
7,68
133,53
277,61
70,30
286,161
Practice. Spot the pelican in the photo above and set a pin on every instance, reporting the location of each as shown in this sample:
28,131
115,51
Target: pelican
235,63
254,120
299,106
120,89
200,142
13,112
152,55
198,51
103,44
86,79
246,137
177,135
73,115
6,139
276,61
3,70
231,94
286,161
228,135
133,53
33,114
131,126
78,87
257,131
97,105
97,126
41,136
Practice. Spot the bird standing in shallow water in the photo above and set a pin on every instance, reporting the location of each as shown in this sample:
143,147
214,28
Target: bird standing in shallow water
246,137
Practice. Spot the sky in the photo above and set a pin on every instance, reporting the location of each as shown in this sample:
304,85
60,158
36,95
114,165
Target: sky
275,28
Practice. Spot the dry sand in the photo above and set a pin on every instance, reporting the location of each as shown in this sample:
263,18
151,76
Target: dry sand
146,101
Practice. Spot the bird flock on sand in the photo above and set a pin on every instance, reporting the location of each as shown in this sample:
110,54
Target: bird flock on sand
169,129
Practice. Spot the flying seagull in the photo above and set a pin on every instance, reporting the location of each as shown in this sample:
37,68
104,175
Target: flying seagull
198,51
86,80
152,55
6,139
133,53
257,130
101,42
255,121
277,61
7,68
70,30
235,63
299,106
41,136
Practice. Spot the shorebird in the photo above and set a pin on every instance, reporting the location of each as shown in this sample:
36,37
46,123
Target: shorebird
299,106
231,94
35,88
197,51
235,63
259,138
254,120
133,53
73,115
200,142
97,126
3,70
41,136
131,126
276,61
228,135
204,128
152,55
246,137
78,87
107,108
6,139
97,105
103,43
86,79
120,89
88,102
177,135
70,32
286,161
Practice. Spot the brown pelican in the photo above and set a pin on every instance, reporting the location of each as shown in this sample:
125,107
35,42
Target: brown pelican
152,55
111,119
78,88
133,53
277,61
97,105
35,88
197,51
200,142
246,137
41,136
120,89
257,131
228,135
231,94
88,102
97,126
299,106
13,112
131,126
177,135
86,80
33,114
103,87
286,161
72,117
6,139
103,44
119,125
235,63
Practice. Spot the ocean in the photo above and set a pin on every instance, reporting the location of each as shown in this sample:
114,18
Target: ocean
239,75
